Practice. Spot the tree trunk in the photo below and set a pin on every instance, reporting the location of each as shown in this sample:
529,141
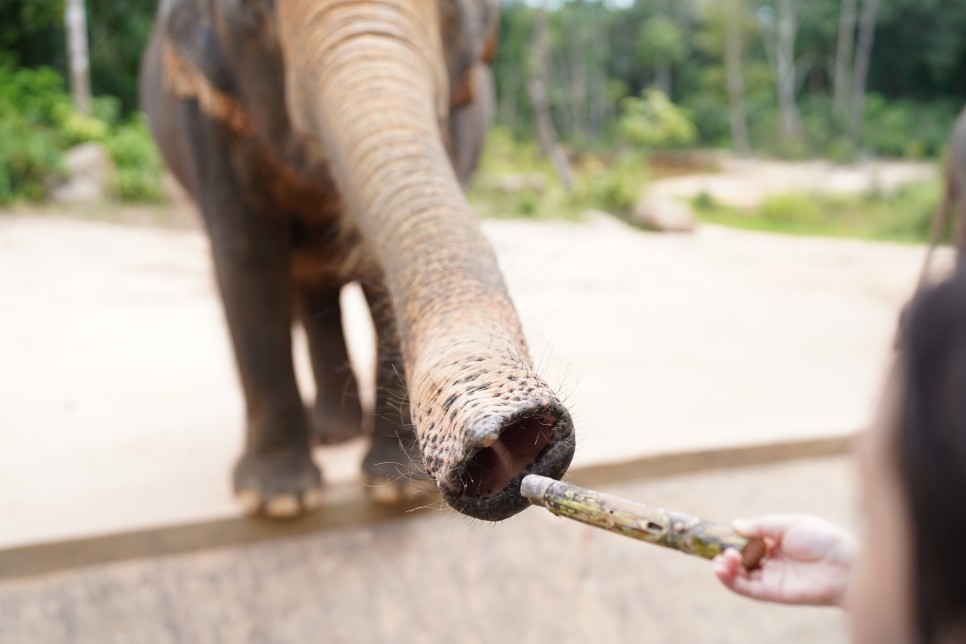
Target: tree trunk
599,95
662,76
863,53
75,23
508,102
735,79
785,69
843,58
598,104
578,87
546,134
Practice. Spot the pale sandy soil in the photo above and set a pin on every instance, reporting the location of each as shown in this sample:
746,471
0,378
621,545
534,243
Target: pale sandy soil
746,183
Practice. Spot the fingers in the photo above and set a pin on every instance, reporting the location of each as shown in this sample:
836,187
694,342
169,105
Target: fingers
728,567
730,571
772,526
751,588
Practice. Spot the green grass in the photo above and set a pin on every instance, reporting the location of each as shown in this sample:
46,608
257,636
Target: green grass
902,216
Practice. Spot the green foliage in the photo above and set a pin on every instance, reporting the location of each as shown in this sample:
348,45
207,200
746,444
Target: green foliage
119,32
900,216
504,154
38,124
32,104
504,157
615,186
604,184
653,121
138,165
661,41
918,66
903,128
32,32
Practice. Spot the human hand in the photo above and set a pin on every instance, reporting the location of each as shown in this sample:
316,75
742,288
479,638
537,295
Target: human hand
808,561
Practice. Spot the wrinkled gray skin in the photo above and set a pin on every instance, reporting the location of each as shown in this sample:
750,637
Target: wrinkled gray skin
326,142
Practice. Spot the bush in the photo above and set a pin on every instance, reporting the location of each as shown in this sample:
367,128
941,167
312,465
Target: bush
138,165
607,184
653,121
907,214
616,186
38,124
903,128
799,210
32,103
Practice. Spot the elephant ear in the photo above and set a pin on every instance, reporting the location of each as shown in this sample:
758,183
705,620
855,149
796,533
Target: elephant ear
194,65
190,33
469,29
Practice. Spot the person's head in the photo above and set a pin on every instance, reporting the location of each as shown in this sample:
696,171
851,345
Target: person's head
910,582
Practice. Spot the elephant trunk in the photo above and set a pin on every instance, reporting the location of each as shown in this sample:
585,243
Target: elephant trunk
367,80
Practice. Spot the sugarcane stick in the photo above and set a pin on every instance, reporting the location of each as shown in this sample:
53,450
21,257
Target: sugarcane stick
677,530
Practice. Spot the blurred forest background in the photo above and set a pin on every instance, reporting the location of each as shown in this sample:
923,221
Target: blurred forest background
592,98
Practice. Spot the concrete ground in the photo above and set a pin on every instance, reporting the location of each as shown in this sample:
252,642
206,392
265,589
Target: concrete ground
121,411
441,578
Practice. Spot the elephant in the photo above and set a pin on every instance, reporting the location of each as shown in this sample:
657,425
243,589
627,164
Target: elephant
328,142
954,200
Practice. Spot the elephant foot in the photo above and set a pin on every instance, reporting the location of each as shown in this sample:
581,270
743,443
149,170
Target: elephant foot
333,424
280,485
393,471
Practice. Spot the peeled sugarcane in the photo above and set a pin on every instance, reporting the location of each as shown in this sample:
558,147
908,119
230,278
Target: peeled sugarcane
677,530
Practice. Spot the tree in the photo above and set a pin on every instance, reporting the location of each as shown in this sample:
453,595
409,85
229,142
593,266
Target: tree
863,54
735,78
510,71
843,58
652,121
546,134
75,21
660,45
779,34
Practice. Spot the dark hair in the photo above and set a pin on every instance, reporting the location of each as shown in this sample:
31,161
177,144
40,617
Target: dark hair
931,451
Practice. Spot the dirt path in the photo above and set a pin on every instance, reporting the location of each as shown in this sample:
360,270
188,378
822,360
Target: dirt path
746,183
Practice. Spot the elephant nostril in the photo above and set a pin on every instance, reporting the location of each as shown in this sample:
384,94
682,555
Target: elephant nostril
517,447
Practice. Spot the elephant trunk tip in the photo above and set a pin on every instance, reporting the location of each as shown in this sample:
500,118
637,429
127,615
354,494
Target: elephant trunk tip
539,441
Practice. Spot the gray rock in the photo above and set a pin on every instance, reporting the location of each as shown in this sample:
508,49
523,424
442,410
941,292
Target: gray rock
664,215
89,172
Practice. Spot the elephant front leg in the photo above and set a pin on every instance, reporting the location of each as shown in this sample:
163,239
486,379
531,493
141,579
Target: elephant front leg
392,469
275,475
337,415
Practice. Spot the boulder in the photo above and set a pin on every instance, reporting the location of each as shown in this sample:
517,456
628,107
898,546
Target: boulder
89,172
663,214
